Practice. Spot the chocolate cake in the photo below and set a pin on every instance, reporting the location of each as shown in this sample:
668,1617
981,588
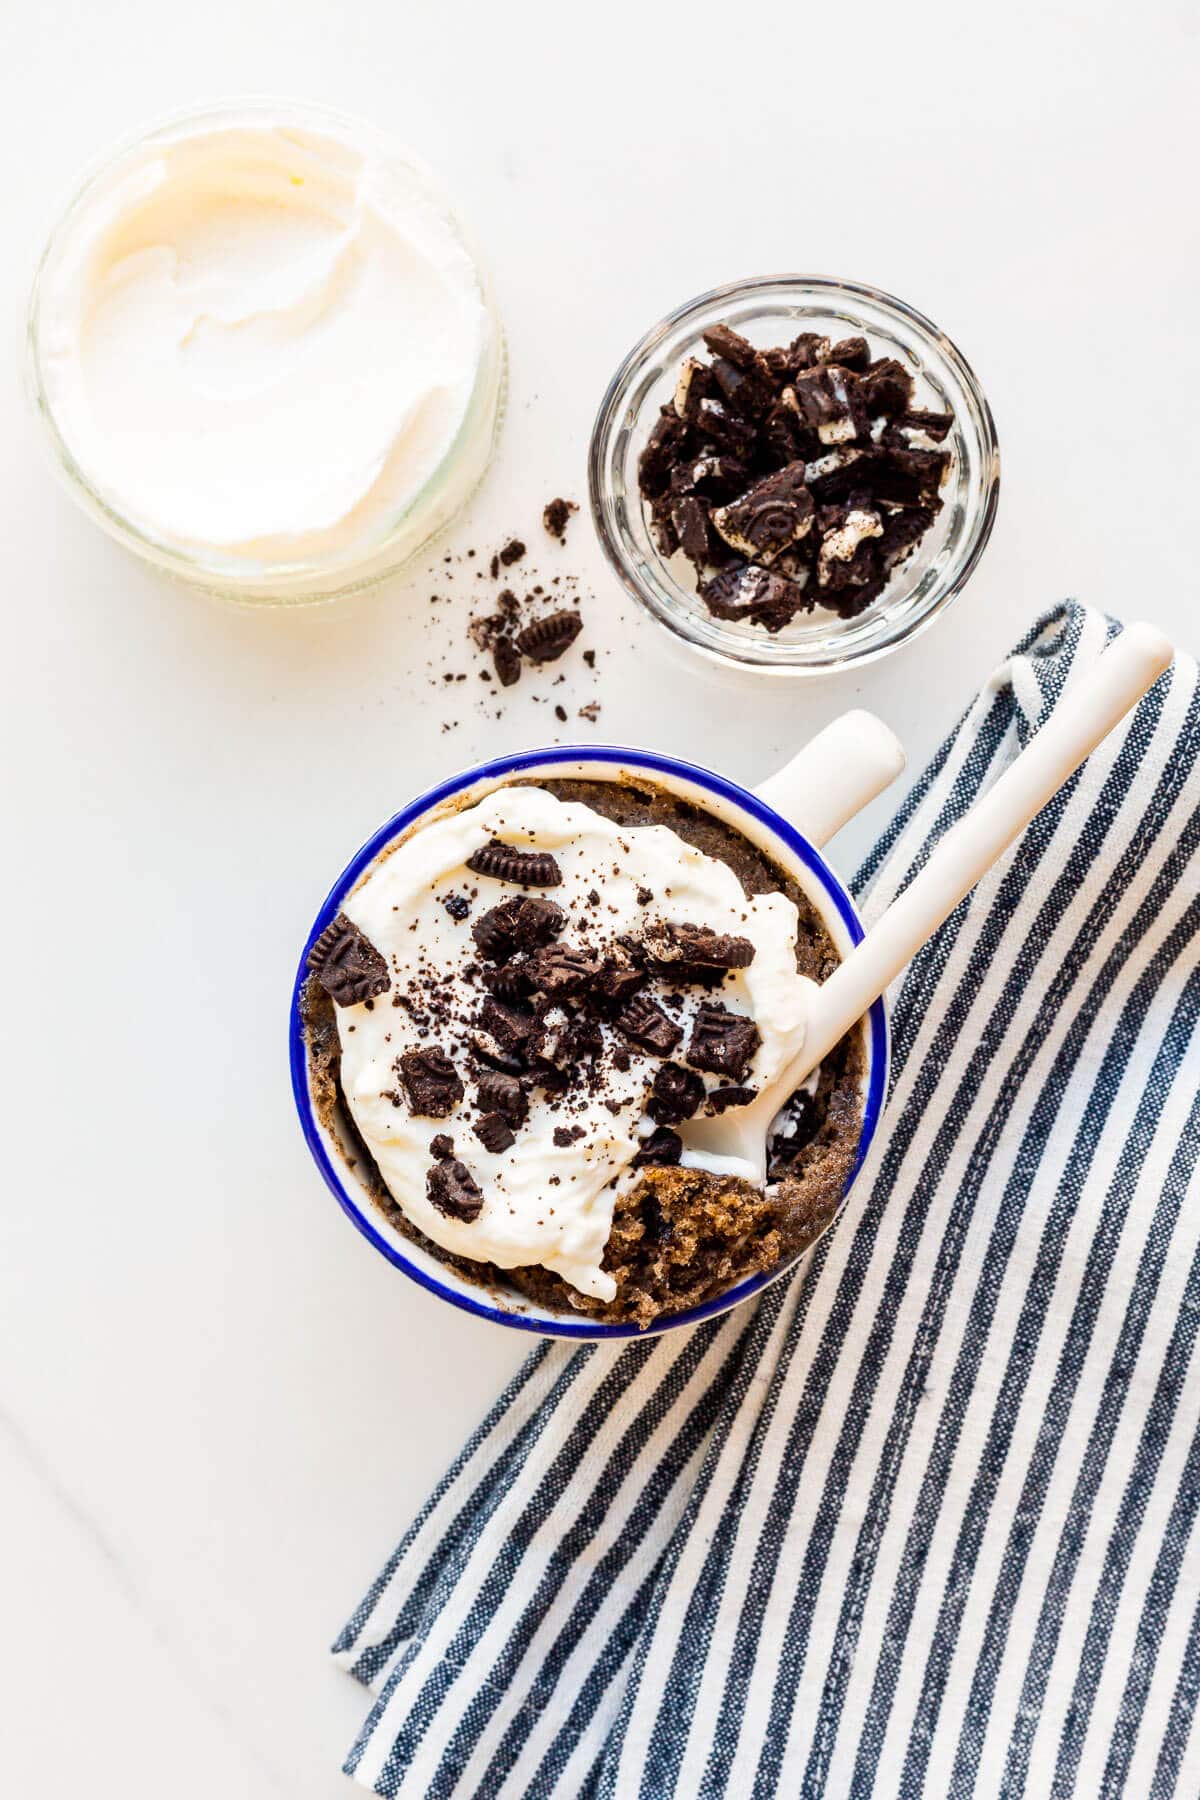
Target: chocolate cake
680,1236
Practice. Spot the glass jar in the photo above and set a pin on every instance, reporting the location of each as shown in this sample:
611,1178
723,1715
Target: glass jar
237,574
769,311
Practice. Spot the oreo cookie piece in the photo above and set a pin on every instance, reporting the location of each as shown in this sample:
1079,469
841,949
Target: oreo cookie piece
508,1029
829,401
887,388
644,1021
715,420
564,1039
851,353
807,350
773,514
838,472
722,1042
508,982
698,945
431,1083
744,591
746,391
500,1093
347,964
846,558
619,978
690,516
452,1189
560,969
718,477
547,639
795,1128
494,1133
692,384
723,341
661,1150
663,448
521,923
523,868
506,660
934,425
910,477
441,1146
721,1099
556,516
677,1094
902,531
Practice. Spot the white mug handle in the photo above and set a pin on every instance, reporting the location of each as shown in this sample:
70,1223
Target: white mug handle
835,775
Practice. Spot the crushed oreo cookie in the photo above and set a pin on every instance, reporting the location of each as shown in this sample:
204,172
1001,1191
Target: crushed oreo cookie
558,970
441,1146
506,660
430,1081
494,1132
556,516
523,923
644,1020
547,639
347,964
522,868
512,552
792,477
661,1150
677,1094
500,1093
721,1099
792,1131
722,1042
676,947
453,1190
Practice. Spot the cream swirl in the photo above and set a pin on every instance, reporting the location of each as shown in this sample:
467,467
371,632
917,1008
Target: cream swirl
261,341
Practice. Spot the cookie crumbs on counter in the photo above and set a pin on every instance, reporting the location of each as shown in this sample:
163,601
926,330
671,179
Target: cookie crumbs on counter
556,516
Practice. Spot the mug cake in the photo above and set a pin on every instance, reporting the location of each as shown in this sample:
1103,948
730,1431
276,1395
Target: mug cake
519,1008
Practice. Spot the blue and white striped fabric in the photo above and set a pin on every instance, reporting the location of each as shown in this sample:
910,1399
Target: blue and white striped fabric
920,1521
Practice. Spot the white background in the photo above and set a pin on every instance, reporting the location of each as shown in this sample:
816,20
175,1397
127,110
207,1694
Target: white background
219,1406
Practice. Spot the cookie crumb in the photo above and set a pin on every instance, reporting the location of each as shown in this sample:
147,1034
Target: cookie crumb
556,516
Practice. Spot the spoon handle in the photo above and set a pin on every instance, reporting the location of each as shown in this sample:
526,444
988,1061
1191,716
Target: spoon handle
1089,710
836,774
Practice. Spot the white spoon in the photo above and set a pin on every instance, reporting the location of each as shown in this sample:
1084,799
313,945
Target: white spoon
736,1141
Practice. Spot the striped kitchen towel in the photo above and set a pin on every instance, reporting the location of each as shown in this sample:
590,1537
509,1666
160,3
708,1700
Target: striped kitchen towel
921,1520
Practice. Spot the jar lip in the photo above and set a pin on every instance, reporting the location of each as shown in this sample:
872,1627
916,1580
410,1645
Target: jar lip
238,577
901,614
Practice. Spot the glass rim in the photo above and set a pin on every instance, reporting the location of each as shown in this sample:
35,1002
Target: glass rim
687,624
236,578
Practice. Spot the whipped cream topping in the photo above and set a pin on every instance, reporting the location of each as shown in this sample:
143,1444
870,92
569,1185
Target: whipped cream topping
544,1202
260,341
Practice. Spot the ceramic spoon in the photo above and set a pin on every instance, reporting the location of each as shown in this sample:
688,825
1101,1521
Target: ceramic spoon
736,1141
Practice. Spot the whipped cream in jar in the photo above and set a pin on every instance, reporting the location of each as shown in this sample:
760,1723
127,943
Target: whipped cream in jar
265,354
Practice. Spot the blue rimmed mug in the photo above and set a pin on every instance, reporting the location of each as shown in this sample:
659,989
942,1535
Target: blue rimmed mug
789,818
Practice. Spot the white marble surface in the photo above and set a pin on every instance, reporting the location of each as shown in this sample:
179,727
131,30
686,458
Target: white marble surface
218,1407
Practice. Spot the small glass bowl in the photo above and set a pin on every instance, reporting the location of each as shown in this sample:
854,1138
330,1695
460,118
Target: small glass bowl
773,310
424,514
